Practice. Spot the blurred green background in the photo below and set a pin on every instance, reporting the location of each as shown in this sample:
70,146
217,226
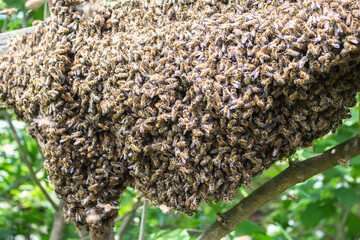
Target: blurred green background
327,205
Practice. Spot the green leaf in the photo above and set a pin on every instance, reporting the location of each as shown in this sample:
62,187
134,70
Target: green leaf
2,4
218,207
178,234
347,196
355,162
14,24
248,228
281,218
311,215
333,173
261,236
353,226
157,234
328,207
38,14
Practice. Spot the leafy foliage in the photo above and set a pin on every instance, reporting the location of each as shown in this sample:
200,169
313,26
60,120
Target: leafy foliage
328,205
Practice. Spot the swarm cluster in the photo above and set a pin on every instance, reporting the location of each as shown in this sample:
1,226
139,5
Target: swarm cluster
185,100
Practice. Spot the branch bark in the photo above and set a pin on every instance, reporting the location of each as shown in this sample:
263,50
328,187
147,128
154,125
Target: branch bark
143,221
7,36
105,234
58,227
295,173
2,105
27,162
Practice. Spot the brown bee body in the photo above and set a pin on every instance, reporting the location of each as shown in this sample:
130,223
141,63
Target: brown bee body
192,109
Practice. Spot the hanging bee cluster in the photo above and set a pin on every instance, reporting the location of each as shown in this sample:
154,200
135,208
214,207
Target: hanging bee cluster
184,100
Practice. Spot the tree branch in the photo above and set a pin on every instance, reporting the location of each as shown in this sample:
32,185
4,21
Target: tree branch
341,232
81,234
143,221
2,105
105,234
127,217
295,173
58,227
27,162
7,36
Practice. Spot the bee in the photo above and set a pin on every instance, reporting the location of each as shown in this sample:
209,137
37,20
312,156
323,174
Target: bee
93,187
305,126
325,58
292,197
197,132
299,117
292,52
181,144
314,50
248,154
279,79
185,170
248,113
211,187
352,39
302,81
203,177
259,102
344,162
93,218
247,94
135,148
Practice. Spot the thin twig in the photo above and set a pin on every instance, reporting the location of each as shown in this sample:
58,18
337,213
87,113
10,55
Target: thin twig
2,106
27,162
20,182
81,235
27,17
194,230
295,173
6,21
59,224
341,232
126,220
24,21
143,221
45,9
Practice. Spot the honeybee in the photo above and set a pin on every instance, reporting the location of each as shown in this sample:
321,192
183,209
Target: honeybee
279,79
248,113
344,162
247,94
302,81
292,197
292,52
93,218
314,50
352,39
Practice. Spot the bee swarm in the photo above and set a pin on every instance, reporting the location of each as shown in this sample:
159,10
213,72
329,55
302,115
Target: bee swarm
184,100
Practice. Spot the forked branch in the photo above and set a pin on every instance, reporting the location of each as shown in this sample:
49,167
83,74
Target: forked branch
296,173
